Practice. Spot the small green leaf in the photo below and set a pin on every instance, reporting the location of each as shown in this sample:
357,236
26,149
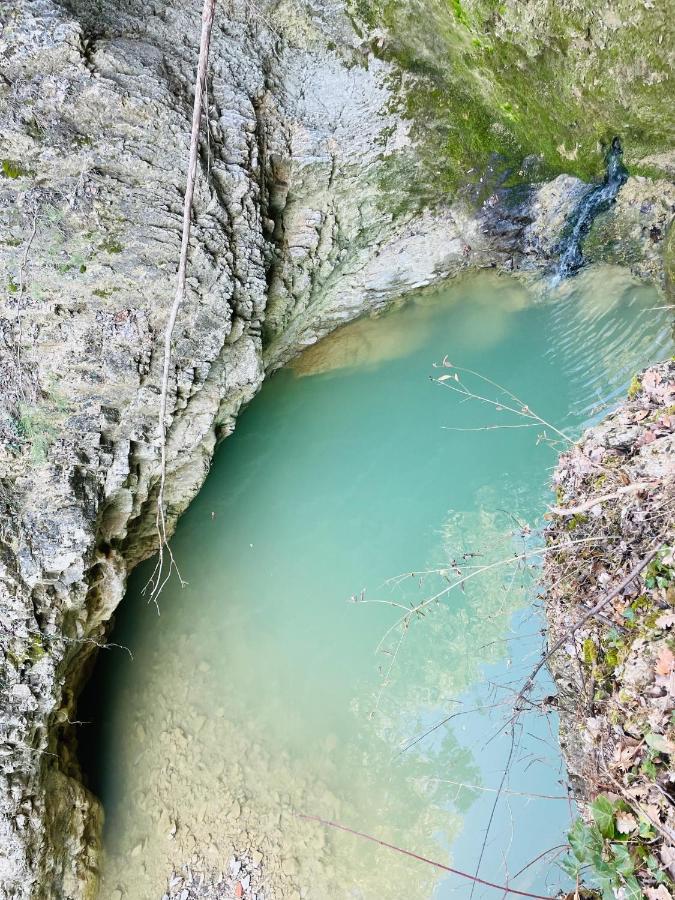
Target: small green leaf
649,769
658,742
603,813
584,840
602,868
646,829
624,862
571,866
632,889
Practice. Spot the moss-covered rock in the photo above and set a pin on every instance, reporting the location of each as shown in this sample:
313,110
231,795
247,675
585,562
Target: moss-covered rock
636,230
526,88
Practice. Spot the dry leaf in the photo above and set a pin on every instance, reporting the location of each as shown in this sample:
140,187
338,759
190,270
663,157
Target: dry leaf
659,893
651,379
667,620
668,858
626,822
624,755
665,663
238,890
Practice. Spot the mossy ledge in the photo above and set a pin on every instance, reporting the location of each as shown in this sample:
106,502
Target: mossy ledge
616,674
523,90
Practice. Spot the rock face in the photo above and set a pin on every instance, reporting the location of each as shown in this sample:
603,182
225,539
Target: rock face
291,236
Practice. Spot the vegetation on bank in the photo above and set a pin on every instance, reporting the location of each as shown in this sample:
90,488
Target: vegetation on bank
522,90
616,674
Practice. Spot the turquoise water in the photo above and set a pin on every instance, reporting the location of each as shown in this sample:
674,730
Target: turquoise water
290,676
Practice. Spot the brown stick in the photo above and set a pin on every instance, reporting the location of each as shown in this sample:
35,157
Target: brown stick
208,14
582,621
369,837
603,498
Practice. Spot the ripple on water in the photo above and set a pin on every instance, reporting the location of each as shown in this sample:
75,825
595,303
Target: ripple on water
261,691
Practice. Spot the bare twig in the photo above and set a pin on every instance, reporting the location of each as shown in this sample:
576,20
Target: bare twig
520,409
424,859
603,498
19,301
493,811
582,621
158,579
491,790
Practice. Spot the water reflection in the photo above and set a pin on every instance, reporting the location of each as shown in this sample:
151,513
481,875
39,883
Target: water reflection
261,690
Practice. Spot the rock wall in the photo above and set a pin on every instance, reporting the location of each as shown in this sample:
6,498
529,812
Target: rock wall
292,235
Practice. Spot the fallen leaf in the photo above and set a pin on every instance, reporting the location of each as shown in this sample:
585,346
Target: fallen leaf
624,755
659,893
667,620
625,822
238,890
651,379
665,663
668,858
660,743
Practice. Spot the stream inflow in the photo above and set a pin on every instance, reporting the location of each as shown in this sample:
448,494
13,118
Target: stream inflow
278,682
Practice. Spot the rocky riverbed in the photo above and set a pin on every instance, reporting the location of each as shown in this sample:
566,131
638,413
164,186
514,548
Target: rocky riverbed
293,234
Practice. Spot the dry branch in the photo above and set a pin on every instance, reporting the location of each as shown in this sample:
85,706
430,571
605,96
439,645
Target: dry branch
603,498
158,578
369,837
644,562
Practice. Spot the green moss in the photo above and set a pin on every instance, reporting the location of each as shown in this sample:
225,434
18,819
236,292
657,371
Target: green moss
111,245
36,651
104,292
634,388
589,652
485,85
576,520
12,169
37,427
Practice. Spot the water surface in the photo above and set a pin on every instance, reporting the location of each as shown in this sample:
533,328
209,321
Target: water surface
278,680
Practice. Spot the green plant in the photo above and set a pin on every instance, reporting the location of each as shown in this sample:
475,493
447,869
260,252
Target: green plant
35,427
634,388
658,573
610,848
111,245
12,169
